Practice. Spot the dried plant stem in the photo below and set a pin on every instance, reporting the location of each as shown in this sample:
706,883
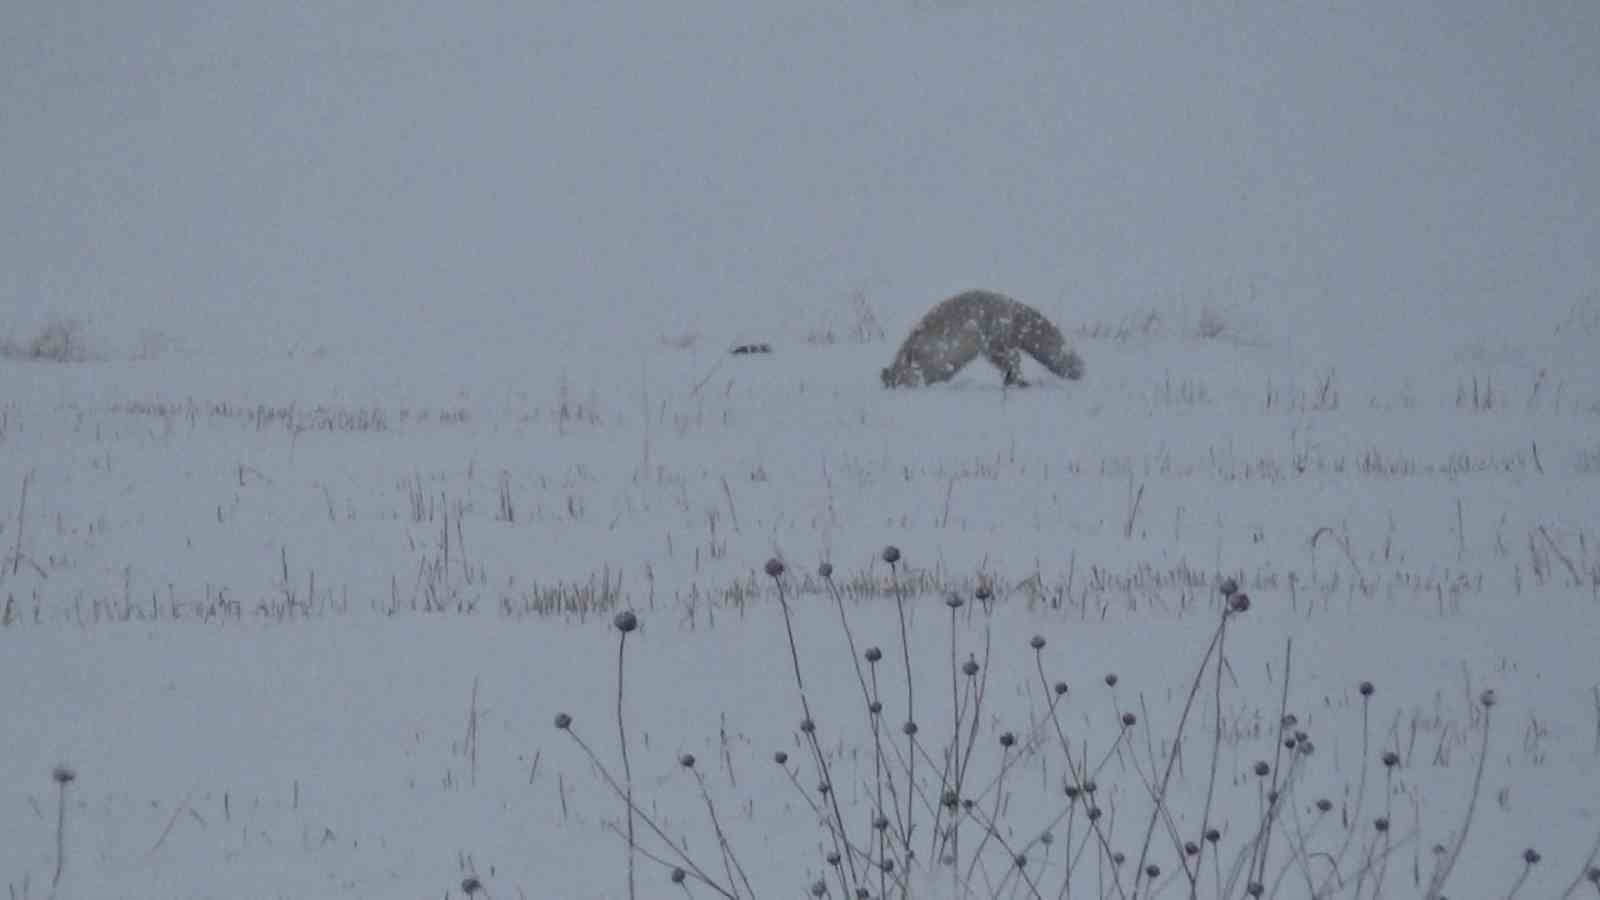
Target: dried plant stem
730,862
977,693
1583,870
1361,794
1517,885
1277,754
1442,873
810,729
911,707
1388,832
1299,840
990,829
844,623
22,522
627,771
949,780
1080,776
993,817
61,831
689,865
1244,863
1159,798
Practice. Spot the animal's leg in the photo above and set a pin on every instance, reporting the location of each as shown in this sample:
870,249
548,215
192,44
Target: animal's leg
1009,362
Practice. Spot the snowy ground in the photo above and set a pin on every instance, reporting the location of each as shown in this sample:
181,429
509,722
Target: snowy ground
279,623
405,370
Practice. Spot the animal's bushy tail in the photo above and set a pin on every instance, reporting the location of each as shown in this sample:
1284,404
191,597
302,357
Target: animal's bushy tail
1045,343
1065,364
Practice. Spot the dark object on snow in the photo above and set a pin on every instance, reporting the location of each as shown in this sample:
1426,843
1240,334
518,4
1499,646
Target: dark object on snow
751,348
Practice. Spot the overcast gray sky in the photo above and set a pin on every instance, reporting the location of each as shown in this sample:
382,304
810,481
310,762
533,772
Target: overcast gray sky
263,171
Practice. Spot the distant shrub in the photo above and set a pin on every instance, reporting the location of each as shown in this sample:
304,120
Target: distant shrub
153,345
59,341
851,320
1584,317
1139,326
1211,324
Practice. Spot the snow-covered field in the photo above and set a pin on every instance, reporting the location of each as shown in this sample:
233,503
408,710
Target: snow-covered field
406,371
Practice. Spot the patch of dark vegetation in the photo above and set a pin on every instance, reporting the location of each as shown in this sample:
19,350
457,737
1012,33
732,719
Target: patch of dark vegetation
58,341
292,417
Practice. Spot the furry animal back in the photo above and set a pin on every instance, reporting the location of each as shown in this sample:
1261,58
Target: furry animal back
980,323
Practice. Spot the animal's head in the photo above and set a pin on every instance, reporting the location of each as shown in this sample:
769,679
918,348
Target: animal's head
901,376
